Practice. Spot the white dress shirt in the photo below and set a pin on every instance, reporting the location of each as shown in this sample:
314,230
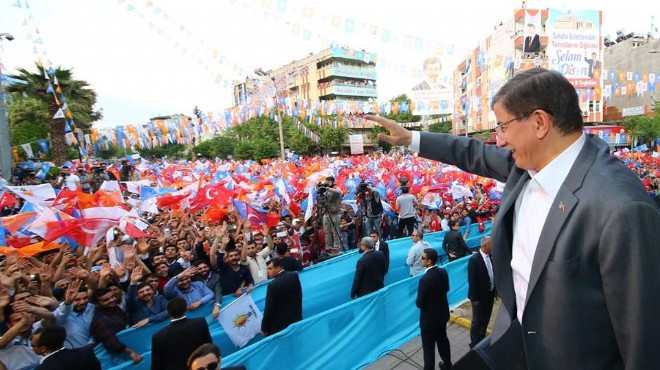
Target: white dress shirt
531,211
489,267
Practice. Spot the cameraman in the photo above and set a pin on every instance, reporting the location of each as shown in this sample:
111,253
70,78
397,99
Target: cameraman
99,175
329,199
371,208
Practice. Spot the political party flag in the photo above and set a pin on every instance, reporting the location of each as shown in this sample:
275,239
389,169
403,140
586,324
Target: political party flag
39,195
241,320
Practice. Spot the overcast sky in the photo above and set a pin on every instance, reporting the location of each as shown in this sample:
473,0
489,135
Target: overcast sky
166,56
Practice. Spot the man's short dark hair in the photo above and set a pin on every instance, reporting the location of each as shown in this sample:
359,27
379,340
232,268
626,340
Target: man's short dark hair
52,337
176,307
431,255
276,262
539,88
199,262
100,293
281,248
452,223
142,285
203,350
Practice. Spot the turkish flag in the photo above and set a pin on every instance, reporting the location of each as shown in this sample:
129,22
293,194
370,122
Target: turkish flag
257,218
7,200
65,198
85,231
211,195
170,200
272,219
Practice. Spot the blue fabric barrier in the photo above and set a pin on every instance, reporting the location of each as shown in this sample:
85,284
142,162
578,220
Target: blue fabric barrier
354,334
326,286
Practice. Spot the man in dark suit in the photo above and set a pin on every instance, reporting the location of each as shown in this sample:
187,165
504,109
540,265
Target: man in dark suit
594,63
433,311
381,245
453,242
172,345
370,270
532,41
283,299
49,342
481,291
575,237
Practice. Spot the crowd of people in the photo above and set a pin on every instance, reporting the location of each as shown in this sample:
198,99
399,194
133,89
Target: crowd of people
73,296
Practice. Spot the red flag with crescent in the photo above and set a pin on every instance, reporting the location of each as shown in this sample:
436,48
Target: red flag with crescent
86,231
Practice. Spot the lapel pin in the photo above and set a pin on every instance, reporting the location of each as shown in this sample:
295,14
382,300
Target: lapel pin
562,207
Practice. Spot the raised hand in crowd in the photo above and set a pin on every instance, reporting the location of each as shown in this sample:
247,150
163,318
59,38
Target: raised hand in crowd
136,275
43,301
72,291
142,246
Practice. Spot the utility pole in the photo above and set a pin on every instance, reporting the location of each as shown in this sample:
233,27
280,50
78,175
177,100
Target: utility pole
5,146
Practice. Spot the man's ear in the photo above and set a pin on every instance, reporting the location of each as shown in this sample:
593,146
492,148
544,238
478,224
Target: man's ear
542,121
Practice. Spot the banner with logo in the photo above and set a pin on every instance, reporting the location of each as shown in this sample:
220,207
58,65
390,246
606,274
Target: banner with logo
241,320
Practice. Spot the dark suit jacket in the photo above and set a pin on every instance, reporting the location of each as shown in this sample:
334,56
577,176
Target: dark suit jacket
369,274
72,359
383,247
598,244
478,279
534,47
454,242
432,299
283,302
172,345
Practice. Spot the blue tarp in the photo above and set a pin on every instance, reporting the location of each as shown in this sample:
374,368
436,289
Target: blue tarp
326,291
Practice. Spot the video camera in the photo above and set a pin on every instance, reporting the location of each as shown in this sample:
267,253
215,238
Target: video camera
322,188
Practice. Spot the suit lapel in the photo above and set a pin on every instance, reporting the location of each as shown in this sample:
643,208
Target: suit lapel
503,238
560,212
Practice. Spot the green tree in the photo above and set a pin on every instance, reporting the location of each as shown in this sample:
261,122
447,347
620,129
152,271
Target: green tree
80,99
441,127
170,150
644,128
220,146
332,138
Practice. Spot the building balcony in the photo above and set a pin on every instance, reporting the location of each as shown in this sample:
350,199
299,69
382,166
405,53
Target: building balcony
347,71
348,90
352,54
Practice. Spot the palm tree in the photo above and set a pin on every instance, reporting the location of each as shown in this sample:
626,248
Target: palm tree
80,100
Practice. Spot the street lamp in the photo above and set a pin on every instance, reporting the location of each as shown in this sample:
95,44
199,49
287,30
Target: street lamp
5,147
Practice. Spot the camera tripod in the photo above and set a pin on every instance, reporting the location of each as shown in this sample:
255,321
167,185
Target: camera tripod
322,211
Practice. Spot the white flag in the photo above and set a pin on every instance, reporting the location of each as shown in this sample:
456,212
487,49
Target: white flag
28,150
59,114
241,320
39,195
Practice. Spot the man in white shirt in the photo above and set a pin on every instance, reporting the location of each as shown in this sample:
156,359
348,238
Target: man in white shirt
575,238
414,259
68,180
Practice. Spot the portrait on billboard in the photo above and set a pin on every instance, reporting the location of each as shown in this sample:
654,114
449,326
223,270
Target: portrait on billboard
432,95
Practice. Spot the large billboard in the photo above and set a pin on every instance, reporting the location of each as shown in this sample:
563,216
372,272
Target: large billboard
433,94
574,46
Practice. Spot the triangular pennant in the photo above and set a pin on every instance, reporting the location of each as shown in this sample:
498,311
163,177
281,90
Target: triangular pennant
59,114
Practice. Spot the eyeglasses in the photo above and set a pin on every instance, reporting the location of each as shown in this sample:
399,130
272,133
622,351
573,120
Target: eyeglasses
501,127
424,258
210,366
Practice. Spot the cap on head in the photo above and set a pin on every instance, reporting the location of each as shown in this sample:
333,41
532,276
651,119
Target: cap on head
330,178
